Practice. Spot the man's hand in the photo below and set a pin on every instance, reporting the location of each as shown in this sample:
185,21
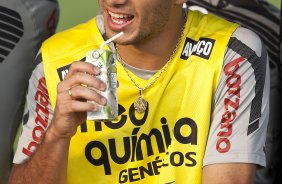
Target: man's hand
72,95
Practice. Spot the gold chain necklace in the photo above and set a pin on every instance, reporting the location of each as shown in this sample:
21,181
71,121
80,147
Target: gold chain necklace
140,104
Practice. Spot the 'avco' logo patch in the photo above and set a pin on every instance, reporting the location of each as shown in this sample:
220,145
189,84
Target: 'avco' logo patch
203,48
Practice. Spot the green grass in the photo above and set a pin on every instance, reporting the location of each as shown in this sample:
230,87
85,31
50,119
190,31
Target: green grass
277,3
73,12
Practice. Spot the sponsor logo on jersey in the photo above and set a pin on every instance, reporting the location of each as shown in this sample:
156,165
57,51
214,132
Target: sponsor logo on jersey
42,116
63,71
201,48
137,146
231,104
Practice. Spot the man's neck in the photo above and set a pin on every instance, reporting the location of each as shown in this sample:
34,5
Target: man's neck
155,52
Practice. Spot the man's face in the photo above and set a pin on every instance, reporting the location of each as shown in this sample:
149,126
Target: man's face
140,20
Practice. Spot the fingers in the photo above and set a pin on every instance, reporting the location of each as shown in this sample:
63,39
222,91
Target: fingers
82,73
76,106
81,92
82,79
80,66
83,82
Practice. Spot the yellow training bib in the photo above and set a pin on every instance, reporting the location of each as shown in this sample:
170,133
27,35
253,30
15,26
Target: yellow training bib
166,143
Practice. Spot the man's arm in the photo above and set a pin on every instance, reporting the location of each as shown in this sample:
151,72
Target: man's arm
229,174
240,113
51,154
48,164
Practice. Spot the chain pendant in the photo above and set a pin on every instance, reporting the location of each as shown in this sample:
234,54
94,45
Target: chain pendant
140,104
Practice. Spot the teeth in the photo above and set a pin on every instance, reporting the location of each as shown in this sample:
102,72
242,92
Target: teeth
118,21
119,16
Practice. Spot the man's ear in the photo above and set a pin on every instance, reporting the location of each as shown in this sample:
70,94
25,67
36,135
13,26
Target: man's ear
180,2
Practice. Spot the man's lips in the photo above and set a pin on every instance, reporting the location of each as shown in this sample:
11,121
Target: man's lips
118,21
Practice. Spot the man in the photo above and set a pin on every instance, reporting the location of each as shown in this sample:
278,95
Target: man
262,18
205,81
23,27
